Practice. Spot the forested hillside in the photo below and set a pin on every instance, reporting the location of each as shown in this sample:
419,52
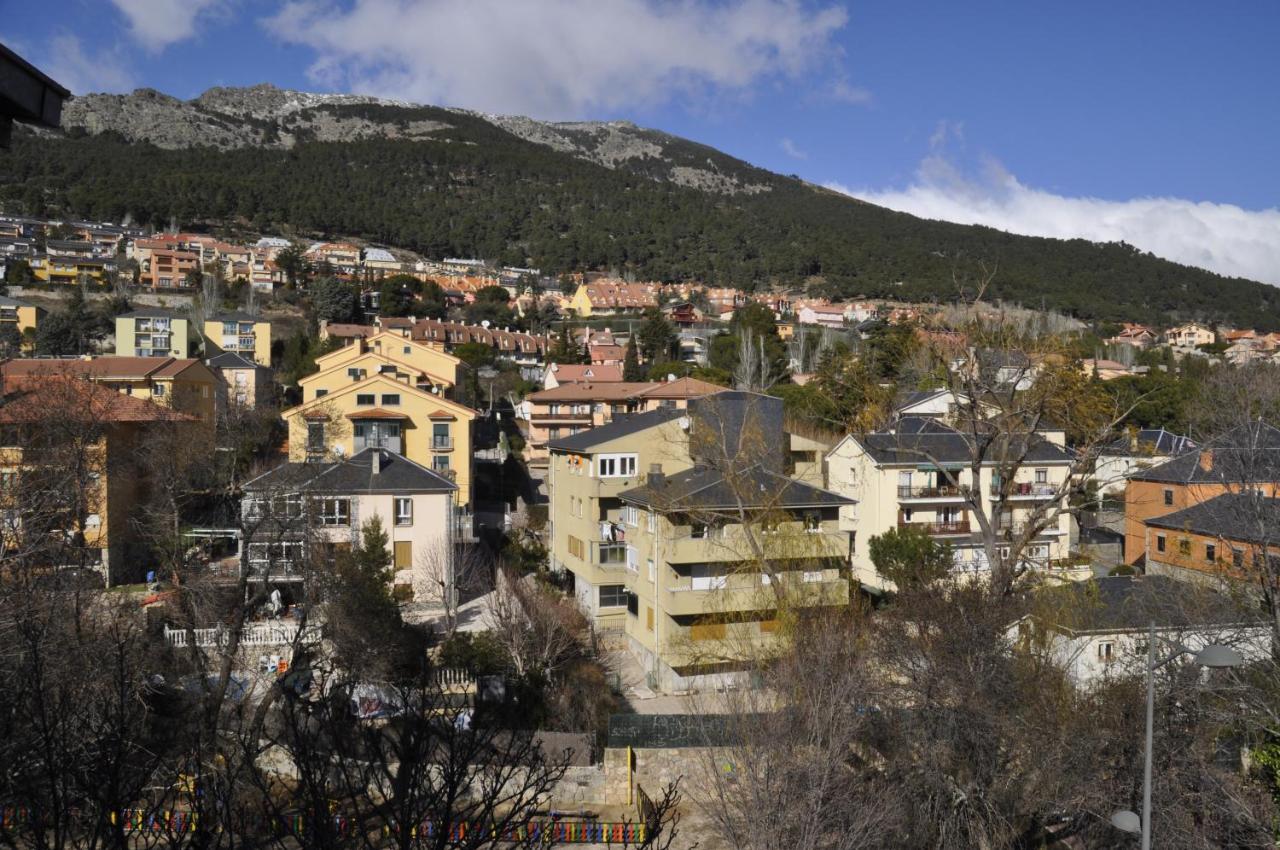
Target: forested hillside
474,189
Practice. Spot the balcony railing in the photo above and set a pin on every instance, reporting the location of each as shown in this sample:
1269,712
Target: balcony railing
560,417
1025,490
610,556
954,527
441,444
254,634
944,491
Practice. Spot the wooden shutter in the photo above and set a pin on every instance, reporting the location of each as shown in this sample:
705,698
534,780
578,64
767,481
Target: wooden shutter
403,554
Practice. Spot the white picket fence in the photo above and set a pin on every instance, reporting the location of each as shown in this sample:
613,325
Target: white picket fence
255,634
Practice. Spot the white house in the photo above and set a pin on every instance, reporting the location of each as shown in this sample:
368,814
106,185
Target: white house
1136,451
1099,630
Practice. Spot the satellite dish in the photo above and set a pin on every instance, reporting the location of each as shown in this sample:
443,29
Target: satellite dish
684,423
339,451
485,324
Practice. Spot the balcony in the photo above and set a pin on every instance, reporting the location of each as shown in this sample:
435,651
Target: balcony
442,444
750,592
790,541
940,493
566,418
939,529
1025,490
609,556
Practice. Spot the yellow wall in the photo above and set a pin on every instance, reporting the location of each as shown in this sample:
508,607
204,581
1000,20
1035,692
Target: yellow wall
580,303
260,353
334,378
395,347
127,336
417,431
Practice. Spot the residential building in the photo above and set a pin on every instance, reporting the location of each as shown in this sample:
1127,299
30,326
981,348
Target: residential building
687,546
239,333
52,268
169,268
1138,450
385,353
919,473
153,332
242,382
613,297
1138,336
570,408
371,408
1190,335
70,442
572,373
1104,369
823,315
1230,537
23,316
182,384
381,262
1246,457
299,515
1098,630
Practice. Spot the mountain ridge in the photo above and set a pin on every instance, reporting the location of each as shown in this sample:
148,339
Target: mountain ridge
564,197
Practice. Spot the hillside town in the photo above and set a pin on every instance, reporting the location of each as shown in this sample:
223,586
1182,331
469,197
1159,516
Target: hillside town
314,542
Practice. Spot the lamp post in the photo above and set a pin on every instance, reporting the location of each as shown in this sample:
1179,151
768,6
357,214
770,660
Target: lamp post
1214,657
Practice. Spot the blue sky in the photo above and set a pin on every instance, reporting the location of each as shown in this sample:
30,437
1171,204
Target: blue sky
1153,122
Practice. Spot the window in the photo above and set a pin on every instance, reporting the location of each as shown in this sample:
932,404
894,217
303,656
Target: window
321,393
406,350
366,398
649,520
576,548
1184,546
648,618
612,595
1160,543
1237,558
813,522
1211,552
616,466
633,560
355,374
653,573
391,399
315,436
1168,497
440,463
1106,652
404,511
335,511
631,516
440,436
1042,476
158,392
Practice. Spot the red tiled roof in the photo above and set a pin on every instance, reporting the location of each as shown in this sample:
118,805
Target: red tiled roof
34,398
568,373
376,413
441,414
103,368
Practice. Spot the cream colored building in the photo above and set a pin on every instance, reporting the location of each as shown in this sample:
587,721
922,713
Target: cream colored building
183,384
153,332
919,473
239,333
647,517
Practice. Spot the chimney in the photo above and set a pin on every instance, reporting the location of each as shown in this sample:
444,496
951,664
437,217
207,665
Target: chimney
377,461
656,477
1206,460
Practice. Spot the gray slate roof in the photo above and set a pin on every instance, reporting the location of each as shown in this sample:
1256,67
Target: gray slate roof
1151,442
919,442
147,312
1246,453
355,474
235,316
705,488
1132,603
1244,517
621,426
230,360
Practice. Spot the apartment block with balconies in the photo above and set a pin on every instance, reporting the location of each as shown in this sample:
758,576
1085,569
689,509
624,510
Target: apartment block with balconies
239,333
920,473
685,543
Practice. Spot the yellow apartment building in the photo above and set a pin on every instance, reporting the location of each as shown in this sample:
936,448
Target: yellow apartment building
88,439
689,544
383,353
239,333
25,317
378,410
182,384
153,332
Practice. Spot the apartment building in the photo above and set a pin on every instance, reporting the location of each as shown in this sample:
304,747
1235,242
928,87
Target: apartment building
70,474
52,268
1190,335
919,473
1229,537
1244,458
24,317
574,373
570,408
298,515
613,297
181,384
386,392
168,268
239,333
242,382
153,332
685,537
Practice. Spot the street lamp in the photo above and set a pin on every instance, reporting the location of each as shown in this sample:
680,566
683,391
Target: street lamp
1215,657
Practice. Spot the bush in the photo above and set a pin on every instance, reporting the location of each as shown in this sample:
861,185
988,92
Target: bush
480,654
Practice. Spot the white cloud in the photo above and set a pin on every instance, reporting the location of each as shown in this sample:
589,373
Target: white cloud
790,149
70,64
845,92
156,24
559,58
1223,238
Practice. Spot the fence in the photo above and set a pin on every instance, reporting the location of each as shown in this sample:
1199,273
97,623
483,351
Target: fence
256,634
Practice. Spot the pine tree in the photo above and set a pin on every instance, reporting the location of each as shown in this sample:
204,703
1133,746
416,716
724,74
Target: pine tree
631,370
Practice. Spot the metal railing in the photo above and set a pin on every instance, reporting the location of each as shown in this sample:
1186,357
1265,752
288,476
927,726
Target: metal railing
255,634
943,491
956,527
441,443
1025,489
